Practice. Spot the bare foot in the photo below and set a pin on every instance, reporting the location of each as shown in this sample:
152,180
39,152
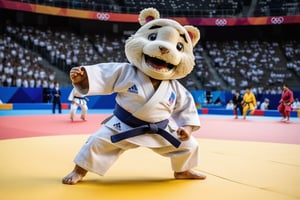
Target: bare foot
189,174
75,176
82,117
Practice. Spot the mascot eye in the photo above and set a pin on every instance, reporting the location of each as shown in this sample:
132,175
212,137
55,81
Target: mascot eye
152,36
179,46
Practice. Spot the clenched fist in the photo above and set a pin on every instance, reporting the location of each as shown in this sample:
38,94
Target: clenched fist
78,74
184,133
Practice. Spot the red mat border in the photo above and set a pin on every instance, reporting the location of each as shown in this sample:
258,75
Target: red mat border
13,127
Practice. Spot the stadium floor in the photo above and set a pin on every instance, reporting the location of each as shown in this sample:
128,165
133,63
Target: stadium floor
257,158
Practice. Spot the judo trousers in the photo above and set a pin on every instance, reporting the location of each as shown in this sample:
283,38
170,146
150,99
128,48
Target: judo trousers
98,154
74,108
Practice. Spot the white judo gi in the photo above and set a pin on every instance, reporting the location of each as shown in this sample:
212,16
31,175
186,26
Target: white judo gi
136,95
80,100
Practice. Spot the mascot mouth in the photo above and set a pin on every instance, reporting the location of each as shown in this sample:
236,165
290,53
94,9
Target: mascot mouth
158,64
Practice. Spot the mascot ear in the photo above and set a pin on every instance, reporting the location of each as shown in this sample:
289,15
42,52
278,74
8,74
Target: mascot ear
147,15
194,34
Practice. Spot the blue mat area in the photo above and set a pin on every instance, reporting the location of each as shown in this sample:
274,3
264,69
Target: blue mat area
47,112
110,111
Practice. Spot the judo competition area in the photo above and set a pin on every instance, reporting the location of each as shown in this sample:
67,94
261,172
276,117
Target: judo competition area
256,158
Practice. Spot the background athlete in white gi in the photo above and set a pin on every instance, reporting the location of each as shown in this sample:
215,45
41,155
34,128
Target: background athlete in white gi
78,100
160,52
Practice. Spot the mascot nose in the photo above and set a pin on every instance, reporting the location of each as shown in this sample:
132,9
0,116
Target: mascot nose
163,50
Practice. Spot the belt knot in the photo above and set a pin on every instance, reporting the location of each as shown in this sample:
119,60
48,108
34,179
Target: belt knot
153,128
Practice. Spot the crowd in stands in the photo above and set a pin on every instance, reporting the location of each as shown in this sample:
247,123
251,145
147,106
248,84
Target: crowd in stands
256,63
21,67
110,48
168,7
201,70
203,8
206,8
61,48
263,65
277,8
291,50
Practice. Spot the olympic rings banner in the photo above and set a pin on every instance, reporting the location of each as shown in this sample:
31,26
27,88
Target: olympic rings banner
132,18
271,20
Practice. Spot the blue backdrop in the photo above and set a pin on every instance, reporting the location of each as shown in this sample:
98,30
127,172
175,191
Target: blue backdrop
39,95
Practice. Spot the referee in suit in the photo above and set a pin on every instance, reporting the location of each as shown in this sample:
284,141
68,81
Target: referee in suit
56,94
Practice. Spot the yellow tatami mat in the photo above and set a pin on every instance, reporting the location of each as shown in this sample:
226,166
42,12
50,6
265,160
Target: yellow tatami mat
32,168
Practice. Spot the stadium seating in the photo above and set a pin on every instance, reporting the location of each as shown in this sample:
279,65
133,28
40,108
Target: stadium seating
291,50
167,7
203,8
220,65
251,63
21,67
277,8
235,63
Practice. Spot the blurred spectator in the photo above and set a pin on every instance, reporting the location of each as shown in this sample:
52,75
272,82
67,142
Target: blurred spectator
230,105
296,104
265,104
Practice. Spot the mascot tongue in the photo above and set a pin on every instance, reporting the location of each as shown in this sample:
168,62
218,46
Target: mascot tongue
156,63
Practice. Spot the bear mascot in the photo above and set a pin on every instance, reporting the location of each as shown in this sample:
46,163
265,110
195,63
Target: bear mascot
152,109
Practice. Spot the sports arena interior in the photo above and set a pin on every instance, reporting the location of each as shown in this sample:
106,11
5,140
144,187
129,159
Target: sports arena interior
244,43
41,46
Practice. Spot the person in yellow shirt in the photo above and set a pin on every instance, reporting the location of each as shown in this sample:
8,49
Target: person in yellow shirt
249,102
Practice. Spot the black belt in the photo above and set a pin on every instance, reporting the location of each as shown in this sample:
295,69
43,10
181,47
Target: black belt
248,102
83,98
141,127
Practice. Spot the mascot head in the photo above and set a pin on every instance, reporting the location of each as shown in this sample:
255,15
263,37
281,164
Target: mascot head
162,48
